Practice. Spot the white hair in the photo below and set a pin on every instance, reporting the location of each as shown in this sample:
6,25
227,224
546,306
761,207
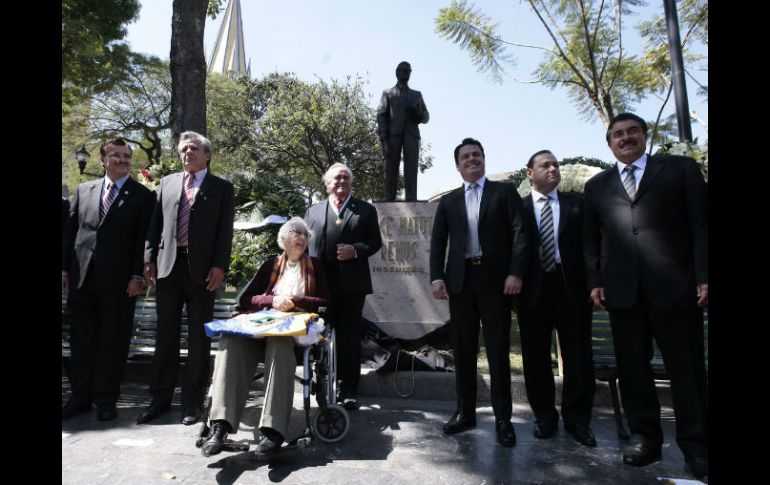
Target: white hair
327,178
293,224
192,135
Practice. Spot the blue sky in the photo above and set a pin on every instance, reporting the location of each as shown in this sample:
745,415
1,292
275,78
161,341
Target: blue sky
333,39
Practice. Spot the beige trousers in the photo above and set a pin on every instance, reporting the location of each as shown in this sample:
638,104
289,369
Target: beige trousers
234,369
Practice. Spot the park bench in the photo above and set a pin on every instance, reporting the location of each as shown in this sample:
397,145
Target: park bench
145,324
606,368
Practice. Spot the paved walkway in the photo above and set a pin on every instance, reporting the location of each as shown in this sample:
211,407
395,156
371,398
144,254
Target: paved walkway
391,441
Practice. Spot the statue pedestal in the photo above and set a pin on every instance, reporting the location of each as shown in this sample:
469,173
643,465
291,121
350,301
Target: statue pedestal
402,305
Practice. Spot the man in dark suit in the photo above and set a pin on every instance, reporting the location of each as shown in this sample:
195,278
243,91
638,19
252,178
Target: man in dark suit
400,112
102,254
188,252
646,257
346,233
556,297
481,223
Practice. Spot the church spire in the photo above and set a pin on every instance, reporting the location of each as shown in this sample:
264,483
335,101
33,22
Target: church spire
229,55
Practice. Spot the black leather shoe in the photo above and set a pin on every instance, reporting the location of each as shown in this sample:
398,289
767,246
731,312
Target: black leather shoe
216,438
505,434
191,416
582,434
544,429
106,412
73,408
639,454
698,466
348,399
152,412
460,421
266,446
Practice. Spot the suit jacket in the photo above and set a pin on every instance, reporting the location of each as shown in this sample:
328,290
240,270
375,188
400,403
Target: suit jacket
394,115
657,242
253,297
503,244
115,244
210,233
361,229
570,232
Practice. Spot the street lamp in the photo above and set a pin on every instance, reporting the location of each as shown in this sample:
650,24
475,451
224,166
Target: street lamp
82,157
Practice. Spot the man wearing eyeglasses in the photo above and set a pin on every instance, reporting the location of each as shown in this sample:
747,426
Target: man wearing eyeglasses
102,254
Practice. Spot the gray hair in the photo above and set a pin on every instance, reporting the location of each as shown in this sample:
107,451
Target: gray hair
192,135
293,224
327,178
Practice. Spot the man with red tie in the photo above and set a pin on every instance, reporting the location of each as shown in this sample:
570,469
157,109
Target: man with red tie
186,256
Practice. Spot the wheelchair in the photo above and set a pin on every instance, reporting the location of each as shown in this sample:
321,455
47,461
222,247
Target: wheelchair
331,421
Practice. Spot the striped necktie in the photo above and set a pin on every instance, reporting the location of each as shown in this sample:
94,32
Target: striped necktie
547,243
109,196
183,219
629,183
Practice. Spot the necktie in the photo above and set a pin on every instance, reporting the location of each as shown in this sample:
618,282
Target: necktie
547,243
109,196
473,220
629,183
183,220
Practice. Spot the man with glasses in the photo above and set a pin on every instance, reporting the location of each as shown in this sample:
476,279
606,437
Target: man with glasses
102,254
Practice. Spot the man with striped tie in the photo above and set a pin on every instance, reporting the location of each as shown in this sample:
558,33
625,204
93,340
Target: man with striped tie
186,256
556,297
102,254
646,247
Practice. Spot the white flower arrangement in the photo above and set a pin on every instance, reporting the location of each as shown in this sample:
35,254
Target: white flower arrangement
573,178
688,149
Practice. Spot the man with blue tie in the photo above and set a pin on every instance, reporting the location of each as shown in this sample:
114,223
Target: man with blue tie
102,253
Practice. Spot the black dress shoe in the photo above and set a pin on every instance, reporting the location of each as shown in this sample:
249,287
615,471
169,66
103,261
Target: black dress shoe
698,466
106,412
73,408
216,438
460,421
581,433
266,446
152,412
191,416
639,454
506,436
544,429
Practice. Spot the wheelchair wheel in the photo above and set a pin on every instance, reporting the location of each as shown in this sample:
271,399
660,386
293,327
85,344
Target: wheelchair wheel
330,425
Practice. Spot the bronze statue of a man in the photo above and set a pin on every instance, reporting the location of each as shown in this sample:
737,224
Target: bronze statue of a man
400,112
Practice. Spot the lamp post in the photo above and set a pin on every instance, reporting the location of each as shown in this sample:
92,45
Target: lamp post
82,157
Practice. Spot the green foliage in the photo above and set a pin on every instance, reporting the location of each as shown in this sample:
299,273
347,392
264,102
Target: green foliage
136,107
688,149
587,56
257,196
474,32
92,55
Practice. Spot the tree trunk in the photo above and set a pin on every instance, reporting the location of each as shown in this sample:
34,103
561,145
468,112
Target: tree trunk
188,68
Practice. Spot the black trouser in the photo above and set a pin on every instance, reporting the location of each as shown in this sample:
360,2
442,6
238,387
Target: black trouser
173,291
679,335
344,314
411,146
102,322
573,324
477,302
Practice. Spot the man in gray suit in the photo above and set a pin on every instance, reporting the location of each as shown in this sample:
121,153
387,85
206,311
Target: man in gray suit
187,254
400,112
102,252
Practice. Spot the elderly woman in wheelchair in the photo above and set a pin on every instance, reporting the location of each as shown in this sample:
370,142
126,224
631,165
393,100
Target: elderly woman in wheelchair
292,281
